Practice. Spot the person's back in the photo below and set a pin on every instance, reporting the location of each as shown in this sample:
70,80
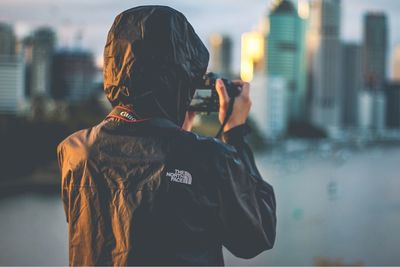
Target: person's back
146,192
149,193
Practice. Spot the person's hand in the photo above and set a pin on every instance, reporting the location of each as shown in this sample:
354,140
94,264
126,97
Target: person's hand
188,123
241,107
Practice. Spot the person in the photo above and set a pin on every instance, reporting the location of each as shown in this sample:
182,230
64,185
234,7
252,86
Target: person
139,188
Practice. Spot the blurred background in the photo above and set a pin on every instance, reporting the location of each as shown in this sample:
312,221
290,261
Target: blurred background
325,79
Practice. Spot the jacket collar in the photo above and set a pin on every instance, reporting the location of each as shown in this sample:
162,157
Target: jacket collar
126,115
150,124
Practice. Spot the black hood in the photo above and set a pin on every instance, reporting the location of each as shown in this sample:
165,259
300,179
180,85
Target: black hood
152,59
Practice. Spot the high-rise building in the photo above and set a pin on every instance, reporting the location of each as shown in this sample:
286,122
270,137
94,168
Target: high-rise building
365,110
43,44
324,58
375,49
7,40
27,51
73,75
252,55
258,95
393,105
352,82
12,84
379,111
276,118
12,71
396,64
372,110
221,54
374,66
286,55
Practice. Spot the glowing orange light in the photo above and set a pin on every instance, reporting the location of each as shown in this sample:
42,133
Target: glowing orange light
252,51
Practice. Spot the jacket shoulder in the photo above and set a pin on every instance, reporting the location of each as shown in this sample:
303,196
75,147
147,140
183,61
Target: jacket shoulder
78,141
72,138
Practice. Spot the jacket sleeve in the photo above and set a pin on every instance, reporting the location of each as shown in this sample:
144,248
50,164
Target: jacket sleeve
247,202
64,193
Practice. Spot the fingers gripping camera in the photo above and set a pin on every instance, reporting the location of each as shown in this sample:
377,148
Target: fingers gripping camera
205,98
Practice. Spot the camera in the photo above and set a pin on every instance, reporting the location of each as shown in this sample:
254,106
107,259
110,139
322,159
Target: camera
205,97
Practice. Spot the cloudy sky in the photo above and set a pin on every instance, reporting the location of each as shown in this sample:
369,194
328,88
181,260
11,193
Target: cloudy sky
93,18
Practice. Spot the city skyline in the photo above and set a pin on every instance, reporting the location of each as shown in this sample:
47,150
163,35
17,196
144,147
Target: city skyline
90,21
301,57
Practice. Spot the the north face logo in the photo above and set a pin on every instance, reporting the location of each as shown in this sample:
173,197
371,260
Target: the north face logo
179,176
127,115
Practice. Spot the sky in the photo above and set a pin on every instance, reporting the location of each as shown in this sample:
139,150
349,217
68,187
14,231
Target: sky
92,18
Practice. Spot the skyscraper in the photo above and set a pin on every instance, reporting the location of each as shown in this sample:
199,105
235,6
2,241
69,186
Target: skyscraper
286,55
73,75
393,105
221,54
27,51
352,82
43,43
12,84
252,55
7,40
12,69
374,65
365,107
375,50
252,69
276,107
396,64
324,57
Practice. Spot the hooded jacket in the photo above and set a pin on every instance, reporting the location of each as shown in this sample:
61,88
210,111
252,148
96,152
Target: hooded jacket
152,59
139,190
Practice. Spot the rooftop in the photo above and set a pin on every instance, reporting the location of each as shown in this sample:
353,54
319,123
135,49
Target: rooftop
283,6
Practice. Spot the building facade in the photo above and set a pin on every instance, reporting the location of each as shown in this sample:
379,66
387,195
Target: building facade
12,73
375,50
221,54
73,75
43,45
286,56
324,57
365,110
252,55
393,105
396,64
276,118
7,40
12,84
352,83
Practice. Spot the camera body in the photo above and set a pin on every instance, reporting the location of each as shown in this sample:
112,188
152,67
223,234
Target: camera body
205,97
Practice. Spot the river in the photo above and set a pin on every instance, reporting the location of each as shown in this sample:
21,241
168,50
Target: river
335,206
